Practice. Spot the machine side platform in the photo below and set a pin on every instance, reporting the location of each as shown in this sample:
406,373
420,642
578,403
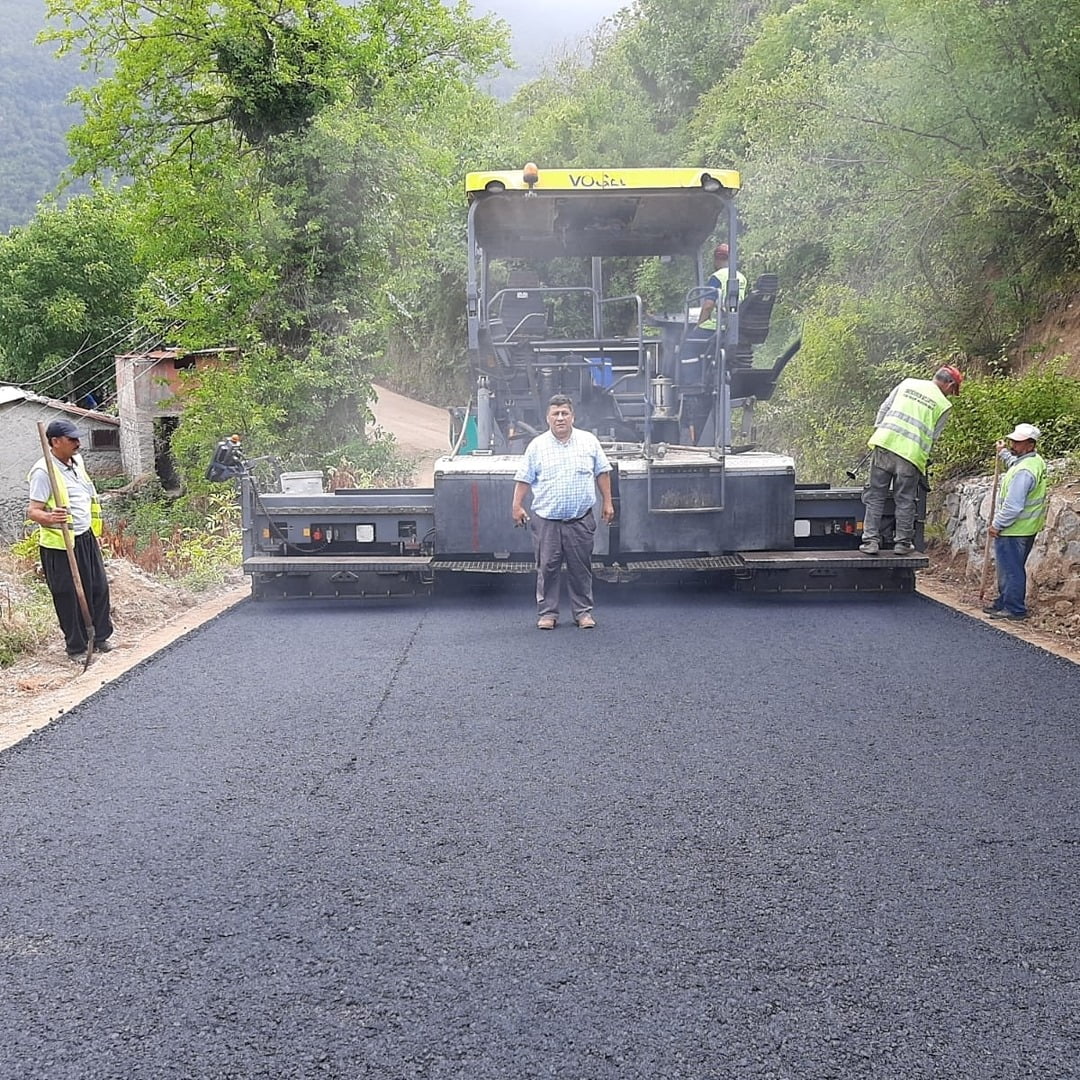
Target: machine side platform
834,560
330,564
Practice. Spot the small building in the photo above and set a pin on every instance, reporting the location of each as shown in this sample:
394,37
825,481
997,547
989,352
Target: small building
149,393
20,447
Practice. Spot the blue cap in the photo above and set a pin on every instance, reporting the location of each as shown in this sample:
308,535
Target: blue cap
62,428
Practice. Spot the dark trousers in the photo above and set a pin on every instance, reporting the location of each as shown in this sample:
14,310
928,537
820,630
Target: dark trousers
1010,554
54,561
555,542
889,470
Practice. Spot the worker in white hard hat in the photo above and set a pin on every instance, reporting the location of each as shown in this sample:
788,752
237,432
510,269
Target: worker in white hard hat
1020,515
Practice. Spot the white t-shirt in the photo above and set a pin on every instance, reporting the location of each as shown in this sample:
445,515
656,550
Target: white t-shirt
80,491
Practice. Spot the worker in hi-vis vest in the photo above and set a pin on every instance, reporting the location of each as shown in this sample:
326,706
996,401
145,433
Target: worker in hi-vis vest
81,509
1019,516
718,284
700,338
908,423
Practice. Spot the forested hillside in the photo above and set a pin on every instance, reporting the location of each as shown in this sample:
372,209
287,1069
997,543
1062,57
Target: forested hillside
34,115
910,173
34,85
542,33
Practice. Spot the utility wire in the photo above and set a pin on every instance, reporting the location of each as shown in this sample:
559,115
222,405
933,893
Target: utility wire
100,347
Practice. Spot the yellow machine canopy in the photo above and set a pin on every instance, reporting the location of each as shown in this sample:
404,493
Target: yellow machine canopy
547,213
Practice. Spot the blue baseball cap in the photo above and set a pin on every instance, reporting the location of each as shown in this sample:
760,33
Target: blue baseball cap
63,429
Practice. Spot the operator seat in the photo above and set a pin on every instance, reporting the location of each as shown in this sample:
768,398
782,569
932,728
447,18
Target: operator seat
519,317
522,311
755,312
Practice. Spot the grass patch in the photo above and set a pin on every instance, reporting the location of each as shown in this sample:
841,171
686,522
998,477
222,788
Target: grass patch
26,612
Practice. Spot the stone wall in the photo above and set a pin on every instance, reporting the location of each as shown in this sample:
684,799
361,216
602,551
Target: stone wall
1054,564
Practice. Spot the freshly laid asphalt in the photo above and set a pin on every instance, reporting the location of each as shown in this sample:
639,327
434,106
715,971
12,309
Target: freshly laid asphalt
716,838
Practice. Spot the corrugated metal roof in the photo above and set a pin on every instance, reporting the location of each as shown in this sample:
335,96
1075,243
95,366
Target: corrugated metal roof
10,394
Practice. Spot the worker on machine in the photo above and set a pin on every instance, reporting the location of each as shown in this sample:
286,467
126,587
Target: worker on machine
718,286
908,423
699,344
697,340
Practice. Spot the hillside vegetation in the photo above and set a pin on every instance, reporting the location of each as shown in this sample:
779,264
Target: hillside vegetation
34,114
909,169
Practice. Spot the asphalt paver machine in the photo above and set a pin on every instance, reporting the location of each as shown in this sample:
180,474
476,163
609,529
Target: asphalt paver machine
553,258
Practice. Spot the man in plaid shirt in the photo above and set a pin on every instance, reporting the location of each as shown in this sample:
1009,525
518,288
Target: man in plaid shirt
563,468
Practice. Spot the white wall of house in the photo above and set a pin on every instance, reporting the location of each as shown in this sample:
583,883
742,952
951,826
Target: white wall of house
20,447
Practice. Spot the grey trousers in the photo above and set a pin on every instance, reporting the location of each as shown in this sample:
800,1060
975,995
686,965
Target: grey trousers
890,470
555,542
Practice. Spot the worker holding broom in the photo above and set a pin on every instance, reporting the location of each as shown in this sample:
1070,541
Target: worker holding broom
66,508
1019,516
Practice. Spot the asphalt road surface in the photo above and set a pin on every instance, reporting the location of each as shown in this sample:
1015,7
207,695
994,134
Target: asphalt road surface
715,839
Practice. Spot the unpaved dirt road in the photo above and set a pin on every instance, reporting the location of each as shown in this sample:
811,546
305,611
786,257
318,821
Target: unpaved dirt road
422,431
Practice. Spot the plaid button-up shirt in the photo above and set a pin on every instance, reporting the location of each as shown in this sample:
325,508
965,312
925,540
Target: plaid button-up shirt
562,475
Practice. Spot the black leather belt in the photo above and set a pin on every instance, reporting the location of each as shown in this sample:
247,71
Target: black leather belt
570,521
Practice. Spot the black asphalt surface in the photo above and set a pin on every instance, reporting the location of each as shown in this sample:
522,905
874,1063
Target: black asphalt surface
715,838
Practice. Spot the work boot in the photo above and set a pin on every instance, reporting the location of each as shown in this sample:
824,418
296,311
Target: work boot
903,547
586,622
105,645
990,609
546,622
1008,616
870,547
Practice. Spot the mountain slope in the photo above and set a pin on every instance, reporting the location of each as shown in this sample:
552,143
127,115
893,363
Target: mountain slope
33,112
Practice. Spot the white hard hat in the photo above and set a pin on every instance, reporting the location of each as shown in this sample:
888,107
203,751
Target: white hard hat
1023,432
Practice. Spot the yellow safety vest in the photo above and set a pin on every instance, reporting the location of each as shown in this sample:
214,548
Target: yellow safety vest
1033,517
54,538
722,276
908,427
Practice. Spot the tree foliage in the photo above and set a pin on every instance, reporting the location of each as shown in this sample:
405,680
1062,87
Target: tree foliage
910,167
279,152
67,285
913,155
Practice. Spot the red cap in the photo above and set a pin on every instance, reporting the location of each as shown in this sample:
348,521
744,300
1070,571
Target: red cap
950,374
722,251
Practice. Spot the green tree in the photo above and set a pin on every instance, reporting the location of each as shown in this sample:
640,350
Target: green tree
67,286
915,158
678,50
276,150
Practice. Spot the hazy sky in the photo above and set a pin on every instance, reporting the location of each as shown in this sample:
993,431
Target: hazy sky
552,20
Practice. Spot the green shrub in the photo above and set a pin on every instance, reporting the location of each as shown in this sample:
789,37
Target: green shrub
991,406
374,463
26,614
200,559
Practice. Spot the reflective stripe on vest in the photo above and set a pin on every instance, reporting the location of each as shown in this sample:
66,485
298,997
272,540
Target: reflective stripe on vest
908,427
1033,517
54,538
